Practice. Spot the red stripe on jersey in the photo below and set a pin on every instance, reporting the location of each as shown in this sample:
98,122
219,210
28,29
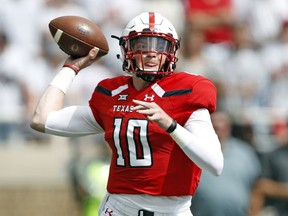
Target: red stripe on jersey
151,20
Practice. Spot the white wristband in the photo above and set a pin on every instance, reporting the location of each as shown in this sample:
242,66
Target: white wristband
63,79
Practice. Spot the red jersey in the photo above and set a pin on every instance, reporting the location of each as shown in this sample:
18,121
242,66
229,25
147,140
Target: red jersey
145,159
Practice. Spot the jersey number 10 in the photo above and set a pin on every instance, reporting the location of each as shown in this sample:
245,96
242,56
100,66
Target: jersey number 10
134,142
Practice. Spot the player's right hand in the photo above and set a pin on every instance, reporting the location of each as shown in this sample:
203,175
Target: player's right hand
153,112
82,62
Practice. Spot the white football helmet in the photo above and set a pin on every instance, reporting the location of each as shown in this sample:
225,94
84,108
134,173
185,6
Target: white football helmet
149,33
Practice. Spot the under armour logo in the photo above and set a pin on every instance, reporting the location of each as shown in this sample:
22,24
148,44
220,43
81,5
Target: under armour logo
108,212
151,98
123,97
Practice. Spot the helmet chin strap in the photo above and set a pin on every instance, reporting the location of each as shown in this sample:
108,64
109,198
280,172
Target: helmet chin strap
147,77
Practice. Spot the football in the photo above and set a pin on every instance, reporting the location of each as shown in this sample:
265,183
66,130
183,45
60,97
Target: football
76,36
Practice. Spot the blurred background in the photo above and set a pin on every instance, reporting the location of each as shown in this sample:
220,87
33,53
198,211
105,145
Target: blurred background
241,45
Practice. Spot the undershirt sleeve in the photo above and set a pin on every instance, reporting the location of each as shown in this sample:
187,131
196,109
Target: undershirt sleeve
199,142
73,121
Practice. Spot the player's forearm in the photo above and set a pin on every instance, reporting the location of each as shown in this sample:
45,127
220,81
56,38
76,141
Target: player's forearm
52,100
257,201
203,151
266,188
199,142
271,188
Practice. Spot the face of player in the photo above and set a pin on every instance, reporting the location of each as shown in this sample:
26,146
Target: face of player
150,52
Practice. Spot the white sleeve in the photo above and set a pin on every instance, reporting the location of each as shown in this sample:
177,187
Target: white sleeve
199,142
72,121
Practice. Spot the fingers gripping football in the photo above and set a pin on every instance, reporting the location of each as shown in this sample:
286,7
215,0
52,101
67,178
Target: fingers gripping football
85,61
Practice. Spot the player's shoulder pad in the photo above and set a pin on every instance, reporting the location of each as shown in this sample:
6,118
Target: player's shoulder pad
114,81
203,91
107,86
182,80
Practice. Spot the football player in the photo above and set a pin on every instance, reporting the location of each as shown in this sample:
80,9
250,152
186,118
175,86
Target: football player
156,122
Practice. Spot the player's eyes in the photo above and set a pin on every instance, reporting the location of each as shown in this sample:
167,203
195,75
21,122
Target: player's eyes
160,47
150,43
140,47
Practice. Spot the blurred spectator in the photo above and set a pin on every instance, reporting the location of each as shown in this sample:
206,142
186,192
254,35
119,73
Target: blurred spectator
270,193
14,93
275,59
243,77
241,9
202,58
213,17
171,9
19,18
192,53
26,27
244,130
207,38
265,19
228,194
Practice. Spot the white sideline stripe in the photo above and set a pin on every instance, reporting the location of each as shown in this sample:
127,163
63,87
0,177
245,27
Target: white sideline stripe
58,35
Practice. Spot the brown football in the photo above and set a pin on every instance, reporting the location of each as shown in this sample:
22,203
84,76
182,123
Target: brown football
76,36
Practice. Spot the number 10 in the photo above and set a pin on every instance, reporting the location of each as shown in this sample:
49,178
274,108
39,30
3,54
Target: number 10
134,159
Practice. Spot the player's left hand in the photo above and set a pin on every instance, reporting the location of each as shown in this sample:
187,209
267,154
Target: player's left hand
154,113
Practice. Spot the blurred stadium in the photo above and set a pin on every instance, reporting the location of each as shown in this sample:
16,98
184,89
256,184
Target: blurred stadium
43,175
